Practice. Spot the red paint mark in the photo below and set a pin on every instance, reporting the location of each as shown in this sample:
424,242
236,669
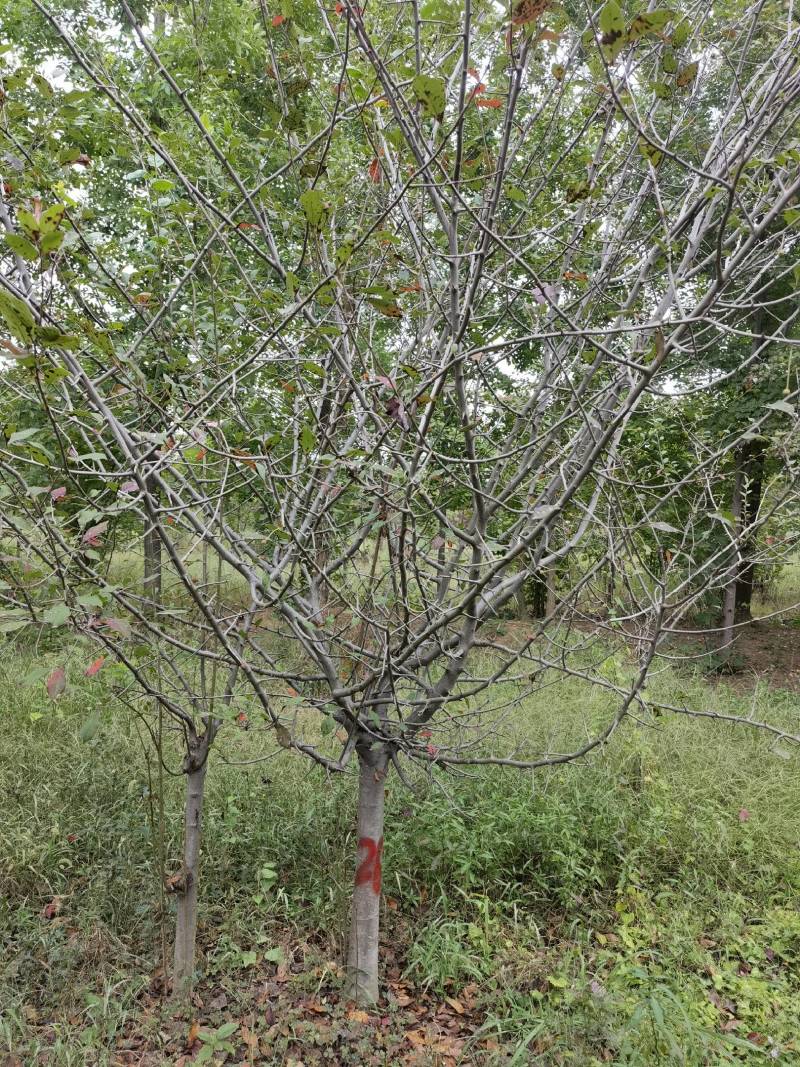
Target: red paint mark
369,870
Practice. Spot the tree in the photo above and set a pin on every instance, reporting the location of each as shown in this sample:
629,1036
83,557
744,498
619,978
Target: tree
426,272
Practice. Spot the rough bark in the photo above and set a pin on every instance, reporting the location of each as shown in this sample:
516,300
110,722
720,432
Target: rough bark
186,889
362,955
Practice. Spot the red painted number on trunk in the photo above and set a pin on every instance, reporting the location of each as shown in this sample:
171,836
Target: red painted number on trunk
369,870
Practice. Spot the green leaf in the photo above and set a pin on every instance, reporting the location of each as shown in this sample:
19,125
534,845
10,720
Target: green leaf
680,35
52,337
274,955
21,246
513,192
314,207
17,316
784,406
52,241
307,438
23,435
57,615
650,152
227,1029
669,64
314,369
89,728
612,29
650,22
52,218
430,92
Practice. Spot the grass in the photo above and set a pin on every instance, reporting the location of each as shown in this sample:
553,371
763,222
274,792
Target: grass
638,909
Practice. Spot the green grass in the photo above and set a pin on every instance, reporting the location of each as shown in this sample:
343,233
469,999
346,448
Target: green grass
619,911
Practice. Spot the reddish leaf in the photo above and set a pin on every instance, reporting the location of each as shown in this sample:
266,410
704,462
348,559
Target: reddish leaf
94,533
432,750
278,20
489,101
339,9
9,346
375,171
50,910
118,626
744,815
56,683
94,666
72,838
129,487
58,494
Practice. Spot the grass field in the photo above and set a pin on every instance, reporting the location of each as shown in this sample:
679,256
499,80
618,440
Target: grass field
641,908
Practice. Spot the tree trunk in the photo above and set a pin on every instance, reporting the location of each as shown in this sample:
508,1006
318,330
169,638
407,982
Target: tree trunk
551,590
538,596
152,561
752,466
750,458
362,954
522,602
186,925
729,594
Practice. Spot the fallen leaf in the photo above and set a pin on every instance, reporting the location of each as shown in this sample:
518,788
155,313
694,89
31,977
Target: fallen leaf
192,1036
53,908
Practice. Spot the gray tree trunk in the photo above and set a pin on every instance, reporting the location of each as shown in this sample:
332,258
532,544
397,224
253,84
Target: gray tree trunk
186,924
152,561
362,954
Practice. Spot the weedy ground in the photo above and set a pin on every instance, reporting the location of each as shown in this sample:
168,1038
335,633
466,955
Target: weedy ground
640,908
